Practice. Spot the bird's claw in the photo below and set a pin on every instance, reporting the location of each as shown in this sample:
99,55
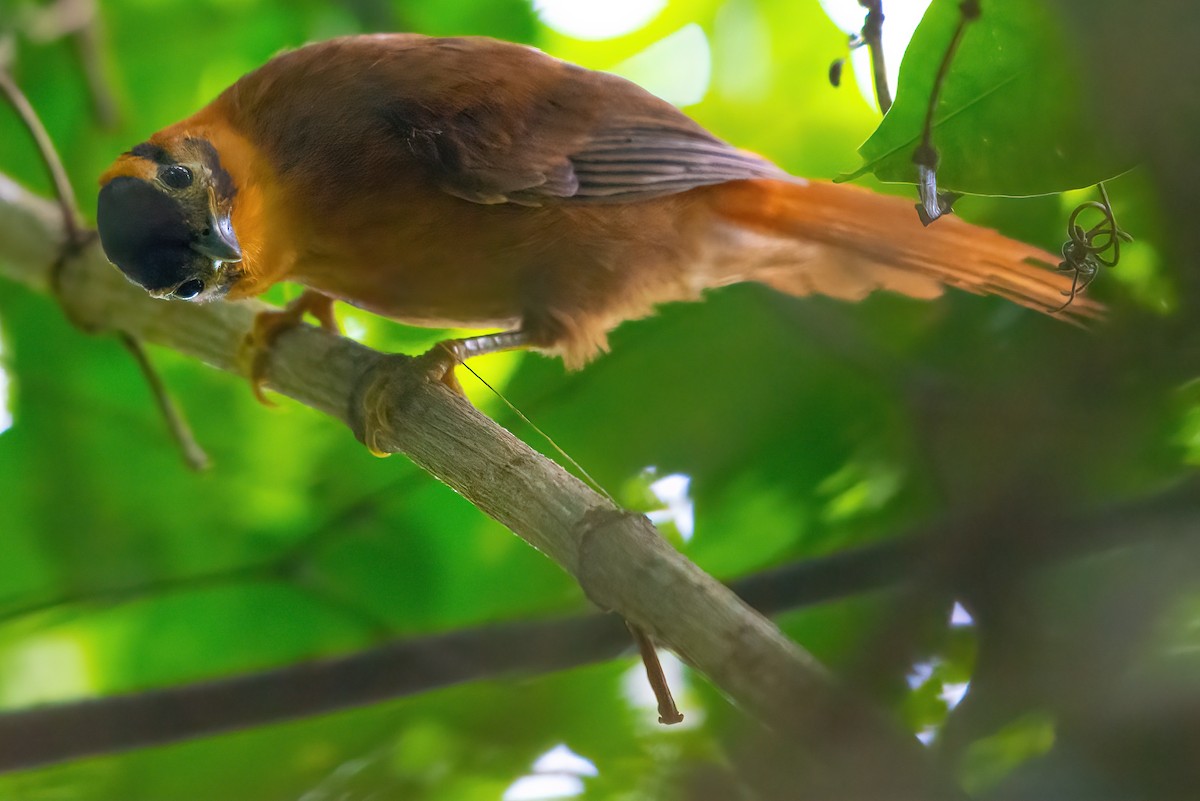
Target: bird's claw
393,376
269,325
438,364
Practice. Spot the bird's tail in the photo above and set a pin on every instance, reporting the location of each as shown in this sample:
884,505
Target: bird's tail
815,237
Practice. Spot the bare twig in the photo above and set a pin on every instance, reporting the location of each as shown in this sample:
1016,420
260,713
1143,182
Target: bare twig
933,203
62,186
193,455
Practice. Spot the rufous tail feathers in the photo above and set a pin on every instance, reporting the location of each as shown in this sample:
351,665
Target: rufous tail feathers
859,241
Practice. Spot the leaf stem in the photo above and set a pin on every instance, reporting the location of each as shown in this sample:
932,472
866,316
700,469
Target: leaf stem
933,203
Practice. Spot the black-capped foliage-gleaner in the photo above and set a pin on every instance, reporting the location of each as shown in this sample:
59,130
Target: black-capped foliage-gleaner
474,183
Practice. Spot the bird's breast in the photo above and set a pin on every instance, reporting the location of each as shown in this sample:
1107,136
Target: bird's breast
429,260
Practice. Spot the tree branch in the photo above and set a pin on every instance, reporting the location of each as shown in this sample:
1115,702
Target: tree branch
619,559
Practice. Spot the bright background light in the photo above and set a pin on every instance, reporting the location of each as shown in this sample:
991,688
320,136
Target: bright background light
556,774
677,68
672,490
597,19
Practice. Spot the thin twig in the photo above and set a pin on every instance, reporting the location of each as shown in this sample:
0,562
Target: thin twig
193,455
872,37
933,203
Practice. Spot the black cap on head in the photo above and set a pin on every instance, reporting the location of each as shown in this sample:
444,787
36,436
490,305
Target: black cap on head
145,233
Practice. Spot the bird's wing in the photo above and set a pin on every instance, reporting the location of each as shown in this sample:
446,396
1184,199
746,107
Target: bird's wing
531,129
630,158
483,120
636,162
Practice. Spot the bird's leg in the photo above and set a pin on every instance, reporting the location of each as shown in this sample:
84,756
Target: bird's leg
443,357
269,325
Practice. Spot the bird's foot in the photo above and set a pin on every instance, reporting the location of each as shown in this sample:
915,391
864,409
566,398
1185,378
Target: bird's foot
269,325
393,377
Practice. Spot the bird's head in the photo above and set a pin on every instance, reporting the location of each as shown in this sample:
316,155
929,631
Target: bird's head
164,218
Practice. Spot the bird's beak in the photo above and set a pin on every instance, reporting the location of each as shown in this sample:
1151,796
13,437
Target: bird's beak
219,243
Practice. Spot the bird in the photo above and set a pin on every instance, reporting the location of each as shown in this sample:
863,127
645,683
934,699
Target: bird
473,183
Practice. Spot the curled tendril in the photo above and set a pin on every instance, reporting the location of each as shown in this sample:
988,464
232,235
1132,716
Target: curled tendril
1087,250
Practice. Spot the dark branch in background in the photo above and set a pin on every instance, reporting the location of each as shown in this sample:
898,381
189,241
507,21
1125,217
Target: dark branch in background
872,37
75,239
1084,252
934,203
52,734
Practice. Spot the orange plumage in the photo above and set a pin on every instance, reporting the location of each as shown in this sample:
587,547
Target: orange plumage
474,183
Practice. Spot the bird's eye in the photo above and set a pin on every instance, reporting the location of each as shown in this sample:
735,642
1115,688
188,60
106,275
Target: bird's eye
189,289
176,176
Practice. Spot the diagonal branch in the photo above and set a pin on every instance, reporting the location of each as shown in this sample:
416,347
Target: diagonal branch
618,558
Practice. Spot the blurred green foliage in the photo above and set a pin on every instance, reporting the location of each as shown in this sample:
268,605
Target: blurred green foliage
805,427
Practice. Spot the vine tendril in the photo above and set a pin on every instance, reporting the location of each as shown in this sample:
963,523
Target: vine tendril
1087,250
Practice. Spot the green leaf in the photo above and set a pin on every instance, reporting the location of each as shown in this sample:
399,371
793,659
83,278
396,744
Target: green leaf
1011,118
